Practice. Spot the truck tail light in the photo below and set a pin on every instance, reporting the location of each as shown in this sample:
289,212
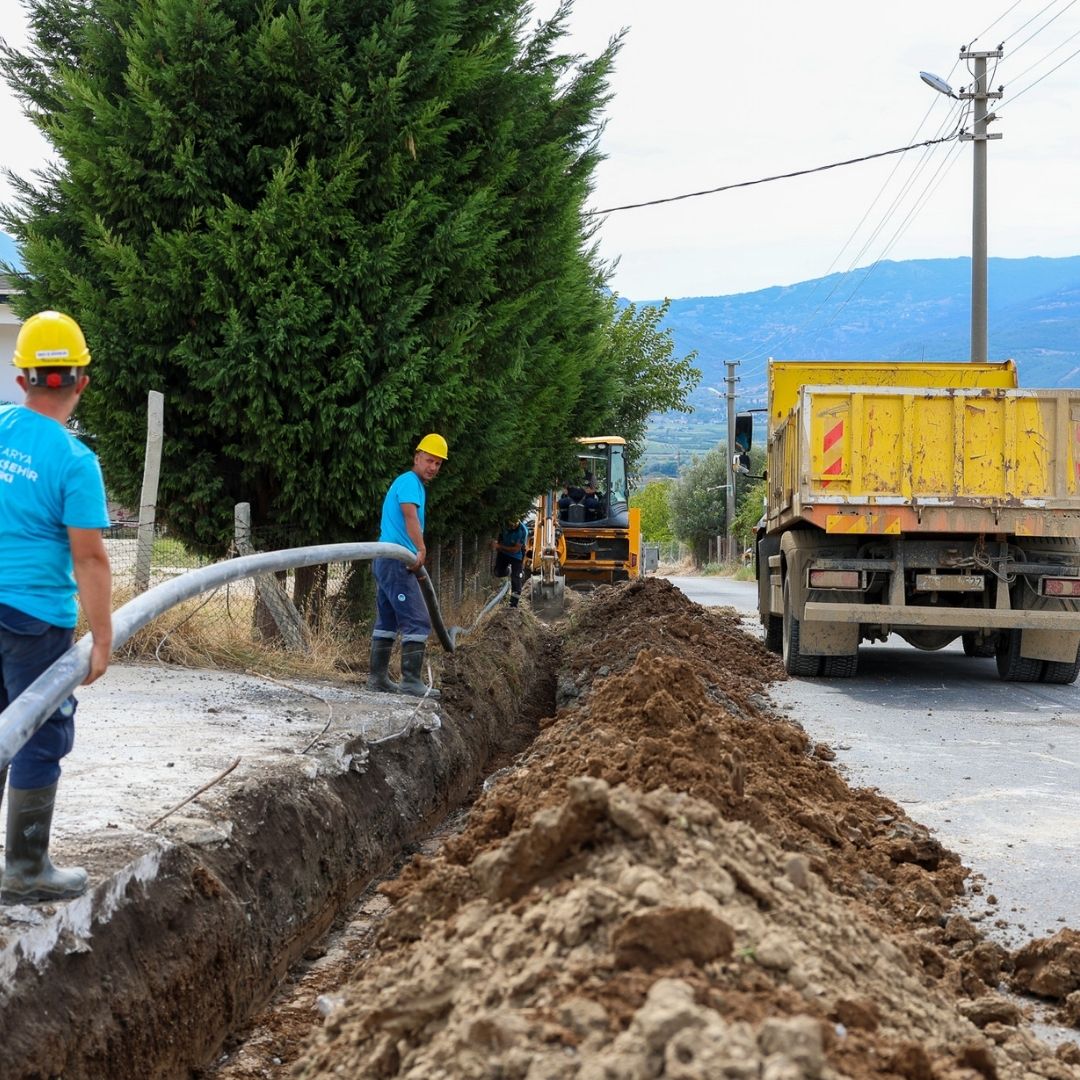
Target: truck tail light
835,579
1052,586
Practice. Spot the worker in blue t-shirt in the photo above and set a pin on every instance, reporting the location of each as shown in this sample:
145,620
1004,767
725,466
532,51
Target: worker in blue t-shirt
52,511
400,606
510,556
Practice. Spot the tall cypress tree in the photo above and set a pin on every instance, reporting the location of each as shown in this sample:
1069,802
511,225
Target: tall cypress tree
321,228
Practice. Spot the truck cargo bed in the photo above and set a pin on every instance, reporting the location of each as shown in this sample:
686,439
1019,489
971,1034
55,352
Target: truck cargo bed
895,460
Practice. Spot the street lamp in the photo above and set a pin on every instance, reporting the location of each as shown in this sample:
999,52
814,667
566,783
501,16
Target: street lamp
979,95
937,82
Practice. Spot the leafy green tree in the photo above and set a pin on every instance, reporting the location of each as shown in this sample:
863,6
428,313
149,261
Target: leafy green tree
321,228
698,503
645,376
749,501
653,500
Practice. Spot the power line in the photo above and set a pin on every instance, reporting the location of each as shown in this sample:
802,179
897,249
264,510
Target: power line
771,342
1024,25
932,185
999,18
1020,93
1035,34
757,351
769,179
1046,56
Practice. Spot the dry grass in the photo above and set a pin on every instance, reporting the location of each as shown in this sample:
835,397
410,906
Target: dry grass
218,632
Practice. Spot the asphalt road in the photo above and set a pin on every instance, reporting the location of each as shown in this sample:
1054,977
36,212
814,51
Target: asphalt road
992,768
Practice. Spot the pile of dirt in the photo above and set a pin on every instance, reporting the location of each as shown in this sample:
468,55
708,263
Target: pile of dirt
674,882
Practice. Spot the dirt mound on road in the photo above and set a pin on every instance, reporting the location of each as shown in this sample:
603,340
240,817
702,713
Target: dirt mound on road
673,882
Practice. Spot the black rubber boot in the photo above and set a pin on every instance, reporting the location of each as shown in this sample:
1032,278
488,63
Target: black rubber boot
378,678
29,876
412,667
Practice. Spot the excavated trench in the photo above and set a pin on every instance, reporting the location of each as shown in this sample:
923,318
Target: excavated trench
661,877
188,942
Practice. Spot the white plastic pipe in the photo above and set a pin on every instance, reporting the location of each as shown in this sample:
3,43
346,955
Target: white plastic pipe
39,700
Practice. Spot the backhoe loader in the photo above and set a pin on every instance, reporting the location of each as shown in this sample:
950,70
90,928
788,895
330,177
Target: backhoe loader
587,534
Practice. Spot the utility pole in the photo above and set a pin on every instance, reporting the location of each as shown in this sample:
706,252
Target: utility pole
980,95
729,522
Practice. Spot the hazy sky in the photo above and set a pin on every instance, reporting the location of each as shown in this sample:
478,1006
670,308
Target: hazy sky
710,93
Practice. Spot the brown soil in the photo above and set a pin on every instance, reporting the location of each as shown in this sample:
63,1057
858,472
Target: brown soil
673,881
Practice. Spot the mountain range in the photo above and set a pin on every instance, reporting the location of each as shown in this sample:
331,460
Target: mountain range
913,310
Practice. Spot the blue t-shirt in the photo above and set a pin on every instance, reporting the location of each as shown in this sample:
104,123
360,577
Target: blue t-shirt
49,482
407,488
510,537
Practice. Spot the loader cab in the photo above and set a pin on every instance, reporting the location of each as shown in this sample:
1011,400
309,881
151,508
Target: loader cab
601,461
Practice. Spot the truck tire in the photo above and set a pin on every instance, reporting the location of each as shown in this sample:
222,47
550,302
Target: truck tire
1061,671
795,662
774,634
980,647
840,667
1012,667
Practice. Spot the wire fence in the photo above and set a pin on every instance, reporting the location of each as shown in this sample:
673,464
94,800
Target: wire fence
664,553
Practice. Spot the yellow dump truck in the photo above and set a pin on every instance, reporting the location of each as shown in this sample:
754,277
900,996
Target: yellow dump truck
929,500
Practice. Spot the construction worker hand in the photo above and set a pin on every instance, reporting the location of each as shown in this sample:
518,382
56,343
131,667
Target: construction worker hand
420,556
494,545
99,661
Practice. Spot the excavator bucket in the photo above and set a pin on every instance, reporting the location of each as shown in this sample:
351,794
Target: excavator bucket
548,597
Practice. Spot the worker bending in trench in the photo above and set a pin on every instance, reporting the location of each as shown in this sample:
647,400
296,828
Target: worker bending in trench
400,606
52,511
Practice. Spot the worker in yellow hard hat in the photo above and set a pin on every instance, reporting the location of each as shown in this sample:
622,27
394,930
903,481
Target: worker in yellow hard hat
52,511
399,601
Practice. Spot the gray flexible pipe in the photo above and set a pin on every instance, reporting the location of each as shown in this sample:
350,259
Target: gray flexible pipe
448,638
39,700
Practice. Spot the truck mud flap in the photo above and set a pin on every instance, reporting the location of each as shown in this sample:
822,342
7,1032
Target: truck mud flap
1049,645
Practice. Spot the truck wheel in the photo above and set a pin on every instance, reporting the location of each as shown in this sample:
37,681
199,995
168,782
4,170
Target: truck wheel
976,646
774,633
1060,671
1012,667
841,667
795,663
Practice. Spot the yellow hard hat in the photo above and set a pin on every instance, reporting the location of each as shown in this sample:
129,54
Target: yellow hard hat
433,444
51,339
